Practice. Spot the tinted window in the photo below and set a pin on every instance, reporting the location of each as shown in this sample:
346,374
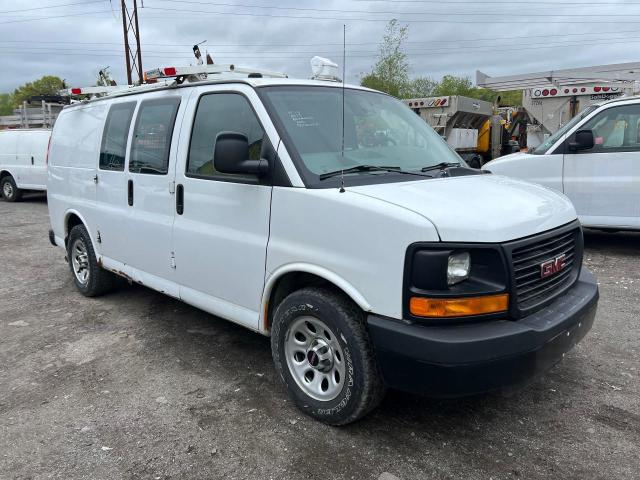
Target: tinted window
114,138
152,136
616,129
221,112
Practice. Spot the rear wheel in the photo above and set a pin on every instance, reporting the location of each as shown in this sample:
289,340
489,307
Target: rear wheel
322,351
91,279
9,189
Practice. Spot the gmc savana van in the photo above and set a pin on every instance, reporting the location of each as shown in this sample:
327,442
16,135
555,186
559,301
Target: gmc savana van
332,219
22,162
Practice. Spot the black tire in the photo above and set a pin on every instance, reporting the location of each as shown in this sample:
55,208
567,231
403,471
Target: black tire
98,281
10,192
362,388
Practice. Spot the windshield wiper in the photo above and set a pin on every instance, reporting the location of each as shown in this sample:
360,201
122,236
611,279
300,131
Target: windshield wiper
440,166
359,168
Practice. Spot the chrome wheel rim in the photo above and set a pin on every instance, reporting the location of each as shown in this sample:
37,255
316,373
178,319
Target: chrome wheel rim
7,190
314,358
80,261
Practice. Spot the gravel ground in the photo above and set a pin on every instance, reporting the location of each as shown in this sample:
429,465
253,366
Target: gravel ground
137,385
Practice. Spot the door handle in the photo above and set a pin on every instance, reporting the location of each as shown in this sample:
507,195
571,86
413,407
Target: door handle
130,192
31,160
179,199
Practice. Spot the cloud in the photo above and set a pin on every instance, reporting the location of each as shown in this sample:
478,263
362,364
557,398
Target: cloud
497,39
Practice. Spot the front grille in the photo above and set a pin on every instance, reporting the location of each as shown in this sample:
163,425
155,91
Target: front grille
529,287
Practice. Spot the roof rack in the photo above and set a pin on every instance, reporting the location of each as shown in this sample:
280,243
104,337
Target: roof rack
201,72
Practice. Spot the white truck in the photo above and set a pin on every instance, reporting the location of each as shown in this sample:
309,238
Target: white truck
23,161
594,159
328,217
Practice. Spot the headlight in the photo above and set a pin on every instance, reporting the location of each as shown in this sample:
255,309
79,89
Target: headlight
458,267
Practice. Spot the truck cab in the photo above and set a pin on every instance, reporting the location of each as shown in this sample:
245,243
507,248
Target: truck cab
328,217
594,159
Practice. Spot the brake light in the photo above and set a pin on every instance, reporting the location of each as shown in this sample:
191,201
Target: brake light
554,91
596,89
545,92
605,89
170,71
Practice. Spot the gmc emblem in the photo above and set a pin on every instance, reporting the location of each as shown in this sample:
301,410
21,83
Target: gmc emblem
553,266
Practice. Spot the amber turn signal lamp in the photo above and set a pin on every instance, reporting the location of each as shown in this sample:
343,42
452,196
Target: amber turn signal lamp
458,307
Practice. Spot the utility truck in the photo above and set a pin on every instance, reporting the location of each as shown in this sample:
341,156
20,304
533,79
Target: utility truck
329,217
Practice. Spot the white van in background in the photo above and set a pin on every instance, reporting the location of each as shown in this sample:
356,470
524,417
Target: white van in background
594,160
23,165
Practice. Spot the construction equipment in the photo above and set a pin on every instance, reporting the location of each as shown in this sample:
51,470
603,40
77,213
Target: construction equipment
470,126
550,99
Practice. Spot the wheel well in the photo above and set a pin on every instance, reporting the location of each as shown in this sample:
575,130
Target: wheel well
72,221
289,283
3,174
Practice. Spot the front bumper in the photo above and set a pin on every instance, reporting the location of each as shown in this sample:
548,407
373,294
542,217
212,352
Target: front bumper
465,359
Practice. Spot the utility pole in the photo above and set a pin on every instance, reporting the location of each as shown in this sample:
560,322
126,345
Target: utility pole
133,56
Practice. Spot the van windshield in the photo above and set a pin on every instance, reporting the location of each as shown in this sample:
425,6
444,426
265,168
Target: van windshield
379,131
549,142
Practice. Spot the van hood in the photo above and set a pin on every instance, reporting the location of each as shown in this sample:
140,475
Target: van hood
518,156
478,208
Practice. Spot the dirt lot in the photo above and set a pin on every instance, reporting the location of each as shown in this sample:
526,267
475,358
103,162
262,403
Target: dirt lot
137,385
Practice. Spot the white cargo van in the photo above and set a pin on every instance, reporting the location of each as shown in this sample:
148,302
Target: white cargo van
594,160
352,243
23,161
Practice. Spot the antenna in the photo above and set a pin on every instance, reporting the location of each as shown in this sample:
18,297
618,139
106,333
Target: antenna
344,68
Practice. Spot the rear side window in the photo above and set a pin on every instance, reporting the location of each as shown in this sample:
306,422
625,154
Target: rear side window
152,136
221,112
114,137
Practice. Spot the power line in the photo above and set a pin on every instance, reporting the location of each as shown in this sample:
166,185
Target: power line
591,35
55,16
387,12
422,53
54,6
441,49
506,4
438,21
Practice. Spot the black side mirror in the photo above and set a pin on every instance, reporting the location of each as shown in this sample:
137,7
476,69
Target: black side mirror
231,155
582,140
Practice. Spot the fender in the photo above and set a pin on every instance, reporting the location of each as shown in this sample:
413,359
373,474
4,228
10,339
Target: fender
322,272
70,212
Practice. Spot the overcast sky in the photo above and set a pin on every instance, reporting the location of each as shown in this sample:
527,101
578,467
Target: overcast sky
445,36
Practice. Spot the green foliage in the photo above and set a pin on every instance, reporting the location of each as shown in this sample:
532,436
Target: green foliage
6,104
390,74
47,85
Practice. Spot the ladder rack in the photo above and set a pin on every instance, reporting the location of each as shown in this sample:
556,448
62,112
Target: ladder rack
202,72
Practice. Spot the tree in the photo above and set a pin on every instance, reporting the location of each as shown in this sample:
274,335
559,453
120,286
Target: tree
452,85
390,74
6,104
47,85
420,87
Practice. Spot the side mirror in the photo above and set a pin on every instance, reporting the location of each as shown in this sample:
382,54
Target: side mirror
582,140
231,155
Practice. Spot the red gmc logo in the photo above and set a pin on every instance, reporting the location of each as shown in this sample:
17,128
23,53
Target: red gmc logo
553,266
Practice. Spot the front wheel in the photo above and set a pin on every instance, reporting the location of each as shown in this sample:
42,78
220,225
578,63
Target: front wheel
322,351
9,189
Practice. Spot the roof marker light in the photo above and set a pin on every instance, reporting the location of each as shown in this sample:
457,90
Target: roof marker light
76,91
169,71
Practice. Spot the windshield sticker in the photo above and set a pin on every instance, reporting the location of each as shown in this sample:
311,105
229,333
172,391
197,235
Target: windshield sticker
302,121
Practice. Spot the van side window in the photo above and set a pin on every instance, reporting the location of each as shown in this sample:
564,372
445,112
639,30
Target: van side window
114,137
221,112
616,129
152,136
